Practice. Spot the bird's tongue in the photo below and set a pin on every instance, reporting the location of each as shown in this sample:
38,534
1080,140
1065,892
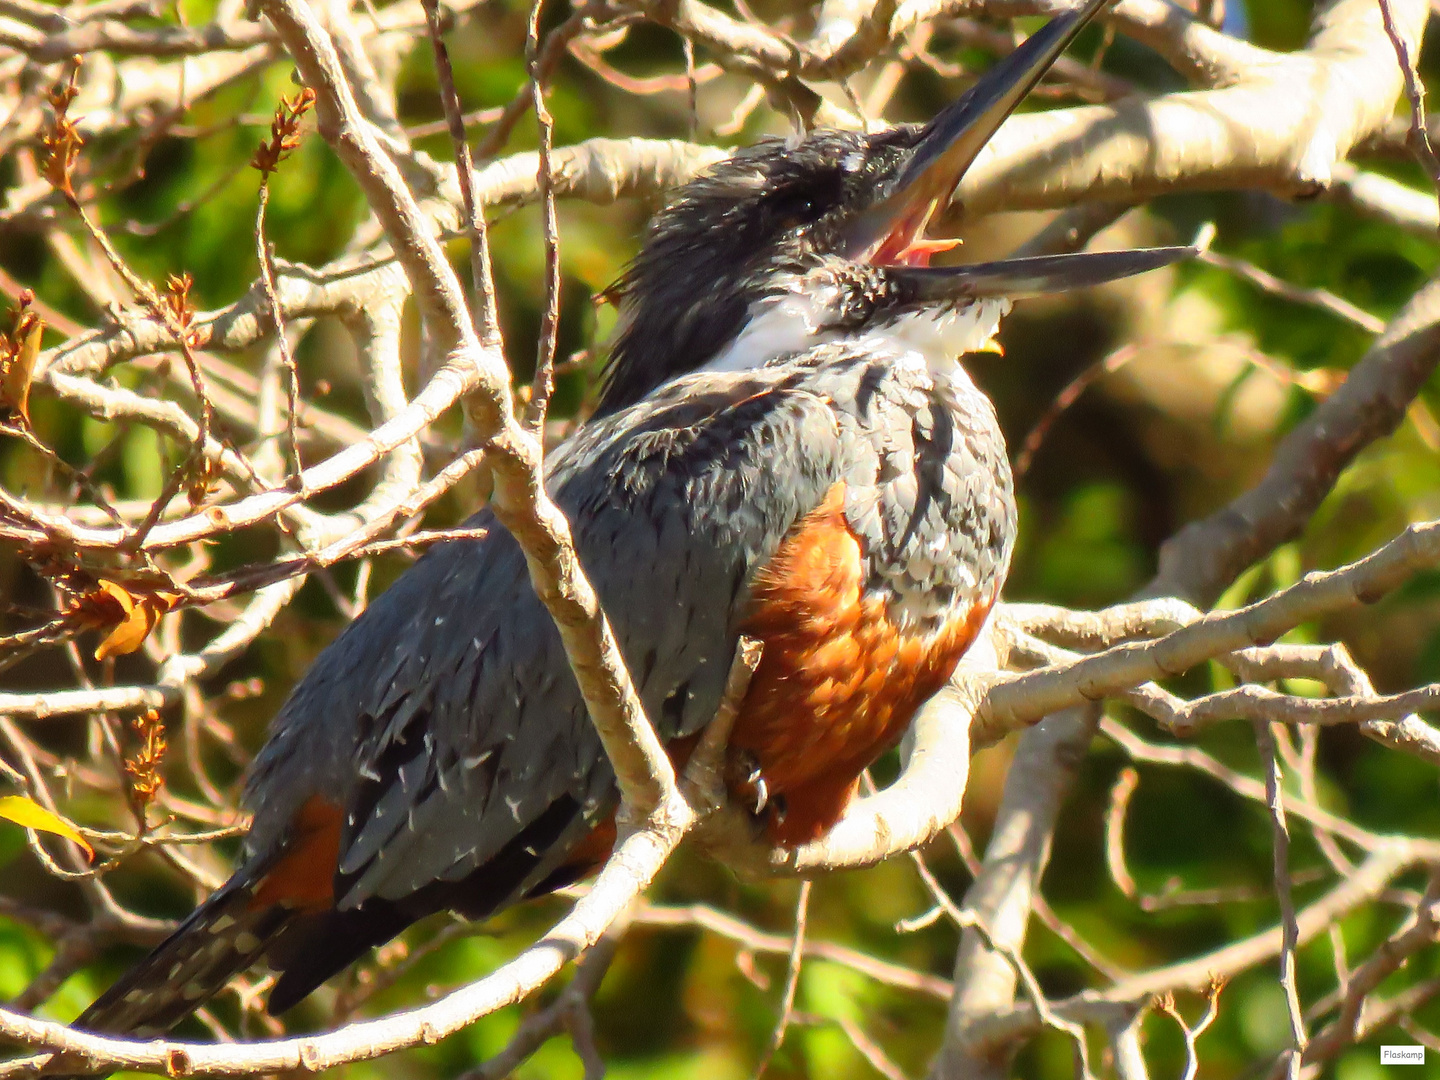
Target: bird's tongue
905,245
900,249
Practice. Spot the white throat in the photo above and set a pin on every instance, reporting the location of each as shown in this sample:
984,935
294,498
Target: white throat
794,320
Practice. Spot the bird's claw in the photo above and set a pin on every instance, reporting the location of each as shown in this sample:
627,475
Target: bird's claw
750,789
756,780
764,797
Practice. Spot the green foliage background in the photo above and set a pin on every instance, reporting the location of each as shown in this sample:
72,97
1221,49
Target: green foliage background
1116,477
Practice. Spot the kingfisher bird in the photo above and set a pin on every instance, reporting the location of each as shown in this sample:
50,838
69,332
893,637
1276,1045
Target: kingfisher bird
786,447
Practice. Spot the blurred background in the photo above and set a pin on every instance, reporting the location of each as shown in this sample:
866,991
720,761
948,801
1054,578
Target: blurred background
1209,371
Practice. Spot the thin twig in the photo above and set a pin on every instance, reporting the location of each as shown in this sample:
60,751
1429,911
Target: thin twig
1166,1004
543,381
1321,299
792,981
267,159
1274,791
1419,138
482,282
1040,430
1048,1017
1120,794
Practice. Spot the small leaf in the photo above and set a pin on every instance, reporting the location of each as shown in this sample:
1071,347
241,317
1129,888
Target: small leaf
104,605
118,593
130,617
16,374
141,615
129,635
31,815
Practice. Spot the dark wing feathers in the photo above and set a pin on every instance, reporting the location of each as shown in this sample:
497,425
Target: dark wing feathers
446,718
445,721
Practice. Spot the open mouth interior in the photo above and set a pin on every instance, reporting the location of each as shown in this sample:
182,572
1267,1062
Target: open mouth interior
907,245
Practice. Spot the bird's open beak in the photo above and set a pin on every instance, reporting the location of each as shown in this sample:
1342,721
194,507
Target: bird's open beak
891,232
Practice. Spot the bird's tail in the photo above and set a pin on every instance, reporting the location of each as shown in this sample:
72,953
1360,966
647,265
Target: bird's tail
221,938
229,932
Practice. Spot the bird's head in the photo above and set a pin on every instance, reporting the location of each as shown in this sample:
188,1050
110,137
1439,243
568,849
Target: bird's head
789,243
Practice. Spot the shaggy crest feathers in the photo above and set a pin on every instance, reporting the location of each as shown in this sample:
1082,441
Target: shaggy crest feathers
732,236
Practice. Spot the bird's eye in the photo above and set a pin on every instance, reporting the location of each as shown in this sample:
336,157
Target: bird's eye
803,201
791,210
792,213
800,215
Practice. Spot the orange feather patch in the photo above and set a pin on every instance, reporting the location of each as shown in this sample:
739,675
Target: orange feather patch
304,877
837,683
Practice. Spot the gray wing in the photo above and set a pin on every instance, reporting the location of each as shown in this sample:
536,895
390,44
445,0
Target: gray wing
446,718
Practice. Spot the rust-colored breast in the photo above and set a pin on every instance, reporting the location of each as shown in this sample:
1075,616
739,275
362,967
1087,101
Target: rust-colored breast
837,683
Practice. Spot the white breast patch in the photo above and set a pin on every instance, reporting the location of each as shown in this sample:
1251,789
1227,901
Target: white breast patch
781,324
792,321
939,335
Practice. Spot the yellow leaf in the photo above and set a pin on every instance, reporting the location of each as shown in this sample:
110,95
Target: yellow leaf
131,633
15,378
31,815
130,616
118,593
105,605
